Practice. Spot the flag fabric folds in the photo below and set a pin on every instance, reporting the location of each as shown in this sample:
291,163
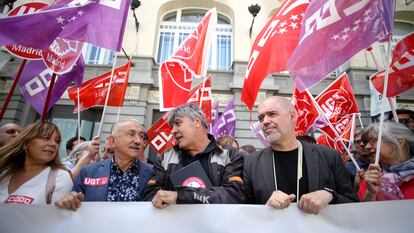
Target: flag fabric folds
338,99
159,135
201,95
35,78
334,31
273,47
226,123
190,60
307,112
401,74
93,92
101,23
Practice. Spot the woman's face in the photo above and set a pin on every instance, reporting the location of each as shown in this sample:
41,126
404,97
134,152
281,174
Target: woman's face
388,154
43,150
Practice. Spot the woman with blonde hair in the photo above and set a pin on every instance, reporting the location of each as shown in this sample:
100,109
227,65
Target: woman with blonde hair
30,168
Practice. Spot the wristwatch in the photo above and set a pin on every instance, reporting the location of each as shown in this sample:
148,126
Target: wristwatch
333,192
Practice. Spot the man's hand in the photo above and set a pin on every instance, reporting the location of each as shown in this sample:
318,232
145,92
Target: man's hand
359,176
313,202
71,201
373,180
280,200
164,198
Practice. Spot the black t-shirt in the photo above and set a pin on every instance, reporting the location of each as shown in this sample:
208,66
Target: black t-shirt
187,159
286,164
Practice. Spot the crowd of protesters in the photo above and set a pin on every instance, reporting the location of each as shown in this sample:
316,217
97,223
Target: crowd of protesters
31,171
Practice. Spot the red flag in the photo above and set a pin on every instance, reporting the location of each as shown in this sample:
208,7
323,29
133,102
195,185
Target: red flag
344,128
175,75
201,94
338,99
159,135
307,112
273,47
401,74
93,92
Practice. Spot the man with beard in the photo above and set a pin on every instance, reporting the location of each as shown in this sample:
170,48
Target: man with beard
223,167
120,178
290,170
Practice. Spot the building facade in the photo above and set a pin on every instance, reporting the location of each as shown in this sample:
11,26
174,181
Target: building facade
162,26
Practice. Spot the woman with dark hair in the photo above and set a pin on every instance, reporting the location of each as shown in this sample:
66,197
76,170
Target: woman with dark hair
30,168
395,181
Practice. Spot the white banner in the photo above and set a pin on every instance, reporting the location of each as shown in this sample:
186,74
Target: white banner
376,217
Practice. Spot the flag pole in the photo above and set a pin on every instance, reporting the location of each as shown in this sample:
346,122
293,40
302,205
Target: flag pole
384,93
10,94
360,121
49,93
107,95
390,99
79,121
326,120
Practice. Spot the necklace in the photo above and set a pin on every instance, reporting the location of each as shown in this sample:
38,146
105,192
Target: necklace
299,171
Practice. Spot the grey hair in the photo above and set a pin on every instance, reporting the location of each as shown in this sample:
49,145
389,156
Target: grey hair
391,132
78,148
191,111
123,121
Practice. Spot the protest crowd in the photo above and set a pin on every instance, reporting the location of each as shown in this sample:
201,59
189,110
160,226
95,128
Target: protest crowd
315,153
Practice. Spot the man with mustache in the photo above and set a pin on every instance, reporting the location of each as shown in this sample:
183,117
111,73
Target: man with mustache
223,167
290,170
120,178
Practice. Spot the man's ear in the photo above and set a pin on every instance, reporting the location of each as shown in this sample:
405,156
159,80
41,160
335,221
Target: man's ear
197,122
111,141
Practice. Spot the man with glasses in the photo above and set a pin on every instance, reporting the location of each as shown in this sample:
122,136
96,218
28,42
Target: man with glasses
363,158
406,117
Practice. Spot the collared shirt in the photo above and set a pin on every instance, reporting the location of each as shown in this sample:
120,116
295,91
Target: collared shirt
123,186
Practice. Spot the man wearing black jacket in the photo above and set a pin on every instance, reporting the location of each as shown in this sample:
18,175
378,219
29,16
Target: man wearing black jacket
223,167
290,170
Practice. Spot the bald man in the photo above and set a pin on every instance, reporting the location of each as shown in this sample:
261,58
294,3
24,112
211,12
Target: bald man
8,131
271,175
120,178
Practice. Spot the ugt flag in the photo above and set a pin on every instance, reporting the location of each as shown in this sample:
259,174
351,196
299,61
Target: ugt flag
175,75
35,79
201,95
93,92
273,47
226,123
338,99
401,74
307,112
101,23
333,31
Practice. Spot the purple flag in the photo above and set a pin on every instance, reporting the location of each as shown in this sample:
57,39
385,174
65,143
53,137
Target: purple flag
35,78
334,31
214,115
226,123
101,23
257,130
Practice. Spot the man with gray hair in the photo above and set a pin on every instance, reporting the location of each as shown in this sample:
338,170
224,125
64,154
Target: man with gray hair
290,170
223,168
120,178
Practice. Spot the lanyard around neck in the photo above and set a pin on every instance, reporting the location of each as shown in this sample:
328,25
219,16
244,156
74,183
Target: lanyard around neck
299,171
